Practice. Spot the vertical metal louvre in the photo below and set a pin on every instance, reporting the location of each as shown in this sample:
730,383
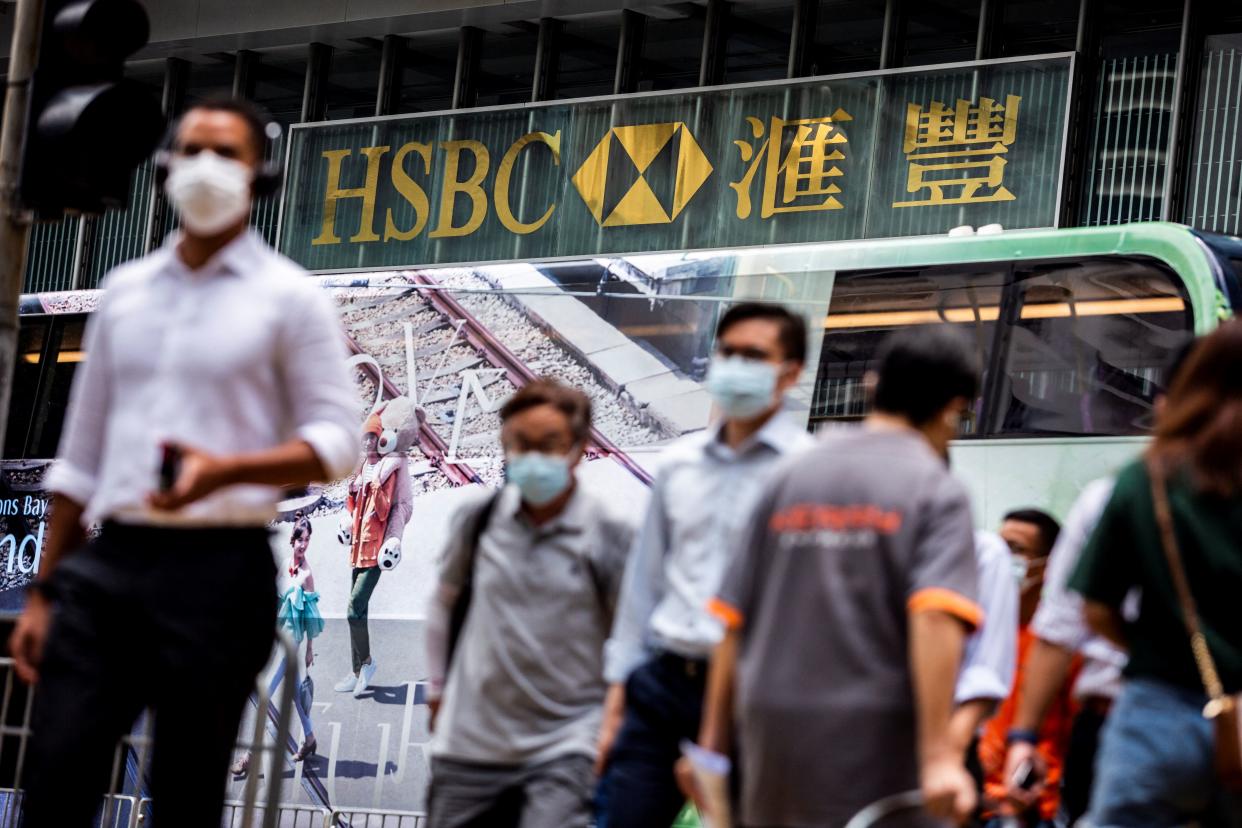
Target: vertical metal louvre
50,256
120,235
1215,185
1130,140
265,211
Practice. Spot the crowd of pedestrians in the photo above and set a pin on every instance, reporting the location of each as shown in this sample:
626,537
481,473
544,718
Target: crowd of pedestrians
820,620
799,627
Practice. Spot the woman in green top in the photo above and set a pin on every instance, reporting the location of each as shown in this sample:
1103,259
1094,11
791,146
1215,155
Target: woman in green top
1155,764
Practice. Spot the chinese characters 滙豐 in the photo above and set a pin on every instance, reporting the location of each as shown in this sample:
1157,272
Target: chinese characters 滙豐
957,155
799,164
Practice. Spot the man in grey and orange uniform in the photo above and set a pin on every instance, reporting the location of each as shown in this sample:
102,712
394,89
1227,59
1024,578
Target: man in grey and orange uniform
848,604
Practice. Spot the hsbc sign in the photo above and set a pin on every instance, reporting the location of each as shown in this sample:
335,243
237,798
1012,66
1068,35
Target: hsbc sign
821,159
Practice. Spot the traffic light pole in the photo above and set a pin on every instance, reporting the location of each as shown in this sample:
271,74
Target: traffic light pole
15,222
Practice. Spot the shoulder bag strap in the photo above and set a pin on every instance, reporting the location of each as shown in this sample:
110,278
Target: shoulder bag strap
457,616
1168,539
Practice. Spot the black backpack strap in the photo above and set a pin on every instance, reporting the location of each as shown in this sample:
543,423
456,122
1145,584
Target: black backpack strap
457,616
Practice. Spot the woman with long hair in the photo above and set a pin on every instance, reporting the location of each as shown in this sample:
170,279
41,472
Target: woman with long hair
1176,510
299,615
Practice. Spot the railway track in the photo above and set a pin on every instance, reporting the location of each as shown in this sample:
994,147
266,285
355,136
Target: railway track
413,320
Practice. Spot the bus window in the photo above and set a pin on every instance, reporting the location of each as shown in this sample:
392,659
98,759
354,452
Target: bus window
1066,348
1087,346
866,306
49,351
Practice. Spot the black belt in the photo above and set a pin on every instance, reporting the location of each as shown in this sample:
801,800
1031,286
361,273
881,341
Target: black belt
695,668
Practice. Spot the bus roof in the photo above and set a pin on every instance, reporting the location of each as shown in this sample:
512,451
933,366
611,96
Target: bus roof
1174,244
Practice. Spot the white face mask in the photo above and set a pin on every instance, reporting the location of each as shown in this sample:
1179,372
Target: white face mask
743,388
210,193
1022,567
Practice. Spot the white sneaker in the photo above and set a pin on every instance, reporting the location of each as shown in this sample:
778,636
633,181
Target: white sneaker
364,678
347,684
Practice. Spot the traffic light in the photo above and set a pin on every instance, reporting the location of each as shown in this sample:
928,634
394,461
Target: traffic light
88,127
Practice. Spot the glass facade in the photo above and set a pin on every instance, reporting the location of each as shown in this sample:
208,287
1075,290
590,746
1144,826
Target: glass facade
506,68
353,79
758,41
848,35
1128,158
429,62
586,63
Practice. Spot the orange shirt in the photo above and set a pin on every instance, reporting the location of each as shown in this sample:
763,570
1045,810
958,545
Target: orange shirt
1053,737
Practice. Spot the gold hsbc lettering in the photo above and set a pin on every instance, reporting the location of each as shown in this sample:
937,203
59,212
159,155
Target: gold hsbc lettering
647,174
416,158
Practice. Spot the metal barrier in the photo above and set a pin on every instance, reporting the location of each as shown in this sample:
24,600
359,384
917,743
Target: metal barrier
372,818
124,810
286,816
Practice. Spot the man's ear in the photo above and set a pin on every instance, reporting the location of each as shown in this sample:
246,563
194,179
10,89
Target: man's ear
790,372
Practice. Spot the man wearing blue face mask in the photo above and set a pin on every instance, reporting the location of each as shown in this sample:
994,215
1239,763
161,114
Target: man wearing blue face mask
541,563
656,660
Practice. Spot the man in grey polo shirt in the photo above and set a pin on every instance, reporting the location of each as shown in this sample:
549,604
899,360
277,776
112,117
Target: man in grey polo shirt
848,606
515,738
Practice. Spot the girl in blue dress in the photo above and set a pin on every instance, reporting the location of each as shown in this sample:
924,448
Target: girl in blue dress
299,615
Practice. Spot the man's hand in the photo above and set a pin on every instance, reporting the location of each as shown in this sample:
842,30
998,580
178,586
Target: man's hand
614,715
310,655
29,635
200,475
948,790
1020,753
684,772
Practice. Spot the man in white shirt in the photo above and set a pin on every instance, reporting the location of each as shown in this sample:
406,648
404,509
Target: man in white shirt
991,653
656,659
220,348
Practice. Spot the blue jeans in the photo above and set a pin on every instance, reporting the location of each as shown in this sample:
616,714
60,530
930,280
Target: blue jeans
308,729
1155,769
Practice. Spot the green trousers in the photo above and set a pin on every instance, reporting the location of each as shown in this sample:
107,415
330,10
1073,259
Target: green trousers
361,586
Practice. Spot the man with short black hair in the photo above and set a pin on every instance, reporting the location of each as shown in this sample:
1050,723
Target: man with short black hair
847,608
663,636
216,350
539,565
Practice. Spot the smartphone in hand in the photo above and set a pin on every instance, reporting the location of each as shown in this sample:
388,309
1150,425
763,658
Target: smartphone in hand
170,466
1024,776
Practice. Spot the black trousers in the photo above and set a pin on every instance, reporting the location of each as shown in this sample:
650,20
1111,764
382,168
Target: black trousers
663,705
178,620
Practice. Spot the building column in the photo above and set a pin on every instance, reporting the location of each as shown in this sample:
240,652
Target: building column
315,93
392,61
1182,119
802,38
245,74
465,80
715,43
629,52
988,33
892,42
547,57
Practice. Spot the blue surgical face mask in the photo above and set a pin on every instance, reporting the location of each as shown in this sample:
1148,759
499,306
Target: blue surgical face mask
541,478
743,388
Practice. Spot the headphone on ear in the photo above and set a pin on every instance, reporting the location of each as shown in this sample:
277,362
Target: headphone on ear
268,175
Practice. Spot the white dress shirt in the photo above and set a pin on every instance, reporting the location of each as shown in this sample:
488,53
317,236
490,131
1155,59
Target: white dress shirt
1059,619
241,355
700,500
991,654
